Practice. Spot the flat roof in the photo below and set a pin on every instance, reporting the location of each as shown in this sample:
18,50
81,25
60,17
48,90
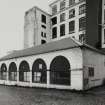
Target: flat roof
36,7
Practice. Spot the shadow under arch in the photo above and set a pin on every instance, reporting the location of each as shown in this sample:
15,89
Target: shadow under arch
60,71
24,72
3,72
39,71
13,71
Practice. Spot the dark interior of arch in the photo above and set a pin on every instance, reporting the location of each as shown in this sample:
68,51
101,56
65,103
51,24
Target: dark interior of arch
60,63
42,70
35,66
3,68
12,67
60,71
24,67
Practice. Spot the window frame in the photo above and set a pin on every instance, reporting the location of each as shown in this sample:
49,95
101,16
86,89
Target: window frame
82,9
62,5
82,23
71,13
43,18
54,9
62,32
62,17
91,72
72,30
71,2
82,38
54,20
54,33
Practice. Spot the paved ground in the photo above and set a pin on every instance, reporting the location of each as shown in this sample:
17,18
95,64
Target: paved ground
33,96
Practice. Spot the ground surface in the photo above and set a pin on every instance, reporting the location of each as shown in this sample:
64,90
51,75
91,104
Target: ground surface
33,96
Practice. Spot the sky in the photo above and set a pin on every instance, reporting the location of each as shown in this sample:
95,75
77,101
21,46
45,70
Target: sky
12,22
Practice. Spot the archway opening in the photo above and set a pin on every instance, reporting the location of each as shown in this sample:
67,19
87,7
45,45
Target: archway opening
12,72
60,71
3,72
24,72
39,71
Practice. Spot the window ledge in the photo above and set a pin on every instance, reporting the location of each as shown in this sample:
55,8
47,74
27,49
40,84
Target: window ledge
72,32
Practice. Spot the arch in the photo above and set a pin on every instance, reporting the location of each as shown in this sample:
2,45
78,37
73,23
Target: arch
60,71
24,72
3,72
12,71
39,71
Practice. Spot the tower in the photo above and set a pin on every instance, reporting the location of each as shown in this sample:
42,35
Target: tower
36,27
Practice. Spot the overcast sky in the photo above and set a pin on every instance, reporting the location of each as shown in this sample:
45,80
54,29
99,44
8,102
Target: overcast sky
12,22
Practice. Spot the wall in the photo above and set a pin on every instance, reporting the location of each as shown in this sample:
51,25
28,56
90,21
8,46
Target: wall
74,57
32,27
97,61
93,22
76,33
40,29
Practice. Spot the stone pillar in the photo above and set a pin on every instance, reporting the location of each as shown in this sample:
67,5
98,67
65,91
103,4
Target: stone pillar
7,76
17,76
48,78
31,78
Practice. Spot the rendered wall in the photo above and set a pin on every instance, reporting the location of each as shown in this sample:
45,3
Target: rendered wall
33,29
74,57
97,61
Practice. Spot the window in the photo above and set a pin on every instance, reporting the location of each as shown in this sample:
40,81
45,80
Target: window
54,20
62,5
71,26
54,32
62,30
43,26
82,23
82,9
3,75
26,76
72,13
43,41
91,71
44,19
13,76
62,17
71,2
54,9
43,34
40,66
82,38
37,77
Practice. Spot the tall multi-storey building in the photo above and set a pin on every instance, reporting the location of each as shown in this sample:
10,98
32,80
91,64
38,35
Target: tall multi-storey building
63,50
77,19
68,19
36,28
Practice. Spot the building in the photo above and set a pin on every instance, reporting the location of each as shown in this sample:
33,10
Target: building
63,50
36,30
